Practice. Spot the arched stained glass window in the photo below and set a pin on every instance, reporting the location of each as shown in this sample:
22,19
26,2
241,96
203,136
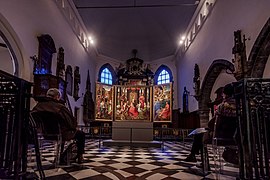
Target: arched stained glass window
106,76
163,77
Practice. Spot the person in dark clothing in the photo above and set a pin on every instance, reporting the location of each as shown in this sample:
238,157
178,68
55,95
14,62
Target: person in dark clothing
226,109
68,123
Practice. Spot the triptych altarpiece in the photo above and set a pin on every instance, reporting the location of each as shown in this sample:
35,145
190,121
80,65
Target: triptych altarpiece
134,102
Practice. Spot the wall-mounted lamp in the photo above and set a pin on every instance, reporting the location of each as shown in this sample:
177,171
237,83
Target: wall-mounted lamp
182,40
91,40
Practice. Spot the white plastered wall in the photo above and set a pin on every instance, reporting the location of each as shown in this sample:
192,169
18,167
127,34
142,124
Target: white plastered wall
215,39
29,19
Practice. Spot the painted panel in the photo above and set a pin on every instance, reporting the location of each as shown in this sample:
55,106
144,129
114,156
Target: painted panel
133,103
162,100
104,102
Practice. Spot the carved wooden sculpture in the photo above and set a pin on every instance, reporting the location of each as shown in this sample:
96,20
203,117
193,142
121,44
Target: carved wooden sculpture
77,81
185,100
60,69
45,52
69,80
88,103
196,81
240,59
135,70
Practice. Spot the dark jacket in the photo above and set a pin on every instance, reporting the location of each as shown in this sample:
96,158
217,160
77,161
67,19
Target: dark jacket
67,122
226,122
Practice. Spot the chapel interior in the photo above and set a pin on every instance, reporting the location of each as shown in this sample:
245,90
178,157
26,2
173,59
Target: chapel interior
139,76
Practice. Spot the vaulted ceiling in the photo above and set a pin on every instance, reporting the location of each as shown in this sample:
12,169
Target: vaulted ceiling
153,27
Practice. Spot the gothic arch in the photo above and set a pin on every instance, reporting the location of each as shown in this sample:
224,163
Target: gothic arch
260,52
209,80
107,65
158,71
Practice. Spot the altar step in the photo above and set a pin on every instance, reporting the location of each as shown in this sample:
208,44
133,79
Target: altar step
121,143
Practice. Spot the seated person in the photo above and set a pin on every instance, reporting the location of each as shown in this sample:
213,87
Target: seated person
68,123
228,109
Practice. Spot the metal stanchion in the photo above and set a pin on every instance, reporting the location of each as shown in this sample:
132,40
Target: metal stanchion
99,141
130,140
162,142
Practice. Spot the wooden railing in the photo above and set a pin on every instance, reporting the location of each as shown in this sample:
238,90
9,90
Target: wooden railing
97,132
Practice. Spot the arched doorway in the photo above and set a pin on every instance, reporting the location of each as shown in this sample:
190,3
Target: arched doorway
8,63
11,54
260,52
217,67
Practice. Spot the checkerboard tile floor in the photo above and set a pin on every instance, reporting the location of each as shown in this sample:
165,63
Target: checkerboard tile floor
131,163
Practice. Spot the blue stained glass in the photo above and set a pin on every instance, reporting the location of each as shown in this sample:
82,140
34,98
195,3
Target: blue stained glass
106,76
163,77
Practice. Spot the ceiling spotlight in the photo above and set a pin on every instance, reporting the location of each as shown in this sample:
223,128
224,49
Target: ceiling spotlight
181,42
183,38
91,40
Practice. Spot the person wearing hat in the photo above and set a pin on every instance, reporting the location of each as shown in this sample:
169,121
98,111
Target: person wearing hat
68,124
228,109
